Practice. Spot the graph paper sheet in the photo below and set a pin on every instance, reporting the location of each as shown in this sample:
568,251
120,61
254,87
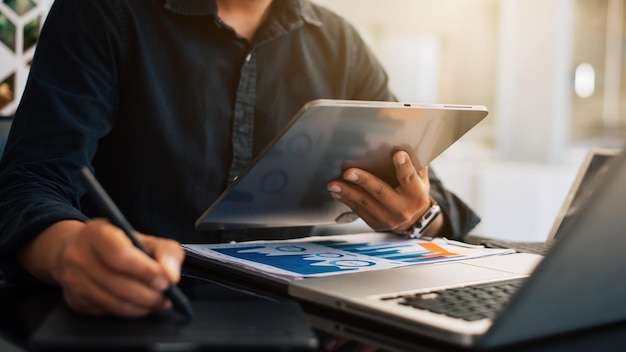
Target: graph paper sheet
331,255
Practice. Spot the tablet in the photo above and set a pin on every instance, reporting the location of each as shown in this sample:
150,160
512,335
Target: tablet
285,185
220,325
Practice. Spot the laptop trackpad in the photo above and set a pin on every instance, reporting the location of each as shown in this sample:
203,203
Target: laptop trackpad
439,276
518,263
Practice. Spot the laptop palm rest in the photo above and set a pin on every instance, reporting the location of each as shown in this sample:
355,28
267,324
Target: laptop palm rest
415,278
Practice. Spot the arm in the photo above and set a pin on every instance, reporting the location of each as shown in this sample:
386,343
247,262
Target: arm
67,106
70,102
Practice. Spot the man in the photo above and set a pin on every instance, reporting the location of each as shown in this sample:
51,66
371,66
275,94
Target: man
169,101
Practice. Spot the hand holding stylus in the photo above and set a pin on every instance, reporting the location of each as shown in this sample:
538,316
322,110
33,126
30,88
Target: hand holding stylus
110,210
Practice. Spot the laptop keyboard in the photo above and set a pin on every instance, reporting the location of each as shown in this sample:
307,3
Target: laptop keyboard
468,303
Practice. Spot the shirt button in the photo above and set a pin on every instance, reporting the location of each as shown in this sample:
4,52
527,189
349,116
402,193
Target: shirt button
234,179
248,57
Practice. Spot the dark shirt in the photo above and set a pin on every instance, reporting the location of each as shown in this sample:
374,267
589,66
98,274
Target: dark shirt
167,104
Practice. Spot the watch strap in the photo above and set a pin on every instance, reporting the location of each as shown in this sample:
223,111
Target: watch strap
422,223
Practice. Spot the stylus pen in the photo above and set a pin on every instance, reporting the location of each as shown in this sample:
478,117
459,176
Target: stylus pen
112,212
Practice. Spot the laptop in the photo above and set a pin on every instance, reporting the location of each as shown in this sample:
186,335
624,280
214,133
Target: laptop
594,164
578,284
285,185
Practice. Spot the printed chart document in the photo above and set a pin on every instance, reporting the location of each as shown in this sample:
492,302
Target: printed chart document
317,256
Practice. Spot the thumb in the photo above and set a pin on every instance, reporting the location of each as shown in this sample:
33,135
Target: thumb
168,253
171,265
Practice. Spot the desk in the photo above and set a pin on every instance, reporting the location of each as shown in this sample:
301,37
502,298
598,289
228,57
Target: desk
22,309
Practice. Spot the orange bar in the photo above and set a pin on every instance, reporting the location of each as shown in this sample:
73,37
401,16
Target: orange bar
437,251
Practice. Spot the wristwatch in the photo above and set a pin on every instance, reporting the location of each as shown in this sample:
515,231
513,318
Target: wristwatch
422,223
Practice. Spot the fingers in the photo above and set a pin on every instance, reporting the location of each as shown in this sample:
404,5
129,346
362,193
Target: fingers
380,205
168,253
102,297
103,273
361,194
412,181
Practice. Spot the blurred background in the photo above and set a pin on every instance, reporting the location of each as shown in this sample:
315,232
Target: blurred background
549,71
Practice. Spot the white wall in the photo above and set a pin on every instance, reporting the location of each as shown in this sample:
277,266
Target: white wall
516,200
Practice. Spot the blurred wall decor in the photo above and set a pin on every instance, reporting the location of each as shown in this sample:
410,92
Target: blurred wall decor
20,23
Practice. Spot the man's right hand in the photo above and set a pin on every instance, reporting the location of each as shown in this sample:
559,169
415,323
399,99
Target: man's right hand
101,271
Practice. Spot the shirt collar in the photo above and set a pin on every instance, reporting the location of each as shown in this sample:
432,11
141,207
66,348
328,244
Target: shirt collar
301,8
307,12
192,7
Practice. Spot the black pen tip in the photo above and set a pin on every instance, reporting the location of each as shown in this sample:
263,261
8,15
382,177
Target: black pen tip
180,301
188,312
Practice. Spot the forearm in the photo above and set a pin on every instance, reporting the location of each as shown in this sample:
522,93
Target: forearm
41,257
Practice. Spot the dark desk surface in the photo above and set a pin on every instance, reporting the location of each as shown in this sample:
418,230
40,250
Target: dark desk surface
22,309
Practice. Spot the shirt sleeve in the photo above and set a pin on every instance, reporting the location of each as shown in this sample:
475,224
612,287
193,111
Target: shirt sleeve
460,219
66,107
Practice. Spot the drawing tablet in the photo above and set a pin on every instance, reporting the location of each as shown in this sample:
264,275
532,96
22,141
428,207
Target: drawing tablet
217,325
285,185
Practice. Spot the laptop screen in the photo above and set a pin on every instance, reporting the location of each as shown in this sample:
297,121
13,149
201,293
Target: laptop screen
594,166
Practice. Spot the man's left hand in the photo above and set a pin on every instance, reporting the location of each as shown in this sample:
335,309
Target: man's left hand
380,205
